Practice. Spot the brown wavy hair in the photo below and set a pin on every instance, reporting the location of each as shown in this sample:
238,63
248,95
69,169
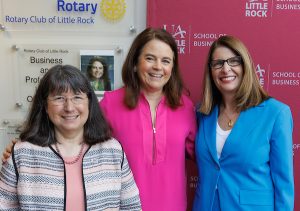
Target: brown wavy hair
173,88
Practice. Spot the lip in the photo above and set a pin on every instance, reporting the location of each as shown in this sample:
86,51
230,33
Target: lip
227,78
155,75
70,117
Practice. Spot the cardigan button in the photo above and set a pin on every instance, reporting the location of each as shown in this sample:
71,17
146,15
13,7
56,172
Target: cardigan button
217,167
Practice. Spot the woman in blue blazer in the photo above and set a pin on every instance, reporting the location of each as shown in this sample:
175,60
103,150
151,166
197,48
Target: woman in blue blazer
244,141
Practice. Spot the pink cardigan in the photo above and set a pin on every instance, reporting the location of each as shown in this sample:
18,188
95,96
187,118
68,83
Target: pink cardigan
156,156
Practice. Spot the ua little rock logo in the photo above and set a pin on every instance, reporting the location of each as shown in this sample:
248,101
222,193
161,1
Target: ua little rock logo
260,73
257,8
179,35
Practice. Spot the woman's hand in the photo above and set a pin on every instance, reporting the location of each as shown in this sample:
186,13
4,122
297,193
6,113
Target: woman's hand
6,154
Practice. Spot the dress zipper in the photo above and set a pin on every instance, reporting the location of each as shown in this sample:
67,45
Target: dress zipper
154,150
154,145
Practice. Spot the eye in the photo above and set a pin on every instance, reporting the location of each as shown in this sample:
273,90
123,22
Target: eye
217,62
58,97
149,58
78,97
235,61
166,61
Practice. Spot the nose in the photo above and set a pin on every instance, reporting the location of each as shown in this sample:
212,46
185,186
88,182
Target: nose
157,65
226,67
68,105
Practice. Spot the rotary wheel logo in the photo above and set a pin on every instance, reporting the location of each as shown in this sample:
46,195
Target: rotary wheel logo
113,10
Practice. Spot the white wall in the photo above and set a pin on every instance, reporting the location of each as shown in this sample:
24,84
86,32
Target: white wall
104,36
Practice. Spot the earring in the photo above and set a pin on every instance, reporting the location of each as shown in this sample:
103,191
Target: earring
134,69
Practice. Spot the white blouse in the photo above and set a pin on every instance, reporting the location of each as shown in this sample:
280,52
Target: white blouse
221,139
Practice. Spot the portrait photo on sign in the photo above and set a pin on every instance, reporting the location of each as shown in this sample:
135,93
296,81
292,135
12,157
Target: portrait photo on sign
98,66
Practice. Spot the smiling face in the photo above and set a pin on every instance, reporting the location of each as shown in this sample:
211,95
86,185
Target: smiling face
155,65
227,78
97,70
69,116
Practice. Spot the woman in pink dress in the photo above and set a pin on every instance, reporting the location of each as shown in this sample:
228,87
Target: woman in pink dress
154,120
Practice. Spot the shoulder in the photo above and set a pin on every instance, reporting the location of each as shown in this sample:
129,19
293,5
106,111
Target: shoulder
276,103
24,146
114,98
108,151
274,106
186,99
211,116
115,93
25,151
270,111
187,102
111,145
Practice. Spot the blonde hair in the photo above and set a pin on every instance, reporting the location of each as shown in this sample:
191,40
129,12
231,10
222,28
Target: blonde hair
250,93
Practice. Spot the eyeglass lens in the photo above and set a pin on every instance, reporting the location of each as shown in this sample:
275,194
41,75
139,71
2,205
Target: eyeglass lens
60,100
219,63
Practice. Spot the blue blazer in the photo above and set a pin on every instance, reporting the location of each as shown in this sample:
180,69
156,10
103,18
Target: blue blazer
255,169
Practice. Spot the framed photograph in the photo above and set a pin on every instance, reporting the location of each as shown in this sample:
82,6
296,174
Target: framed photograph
98,66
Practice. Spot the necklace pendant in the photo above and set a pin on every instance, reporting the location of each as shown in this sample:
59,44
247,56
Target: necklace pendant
230,123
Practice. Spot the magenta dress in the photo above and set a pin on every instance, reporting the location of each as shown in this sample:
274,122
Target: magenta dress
156,155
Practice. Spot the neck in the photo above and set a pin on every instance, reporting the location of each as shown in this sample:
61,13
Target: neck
68,149
228,114
69,138
153,98
228,104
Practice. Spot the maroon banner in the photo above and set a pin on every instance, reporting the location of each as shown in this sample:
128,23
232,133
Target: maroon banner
269,28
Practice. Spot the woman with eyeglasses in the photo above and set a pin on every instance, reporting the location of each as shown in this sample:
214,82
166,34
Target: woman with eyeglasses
244,141
67,159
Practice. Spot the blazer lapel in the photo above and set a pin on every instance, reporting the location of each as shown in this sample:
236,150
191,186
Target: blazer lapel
210,125
244,125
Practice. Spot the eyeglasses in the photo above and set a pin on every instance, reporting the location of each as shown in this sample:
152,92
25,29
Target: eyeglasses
61,100
232,62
